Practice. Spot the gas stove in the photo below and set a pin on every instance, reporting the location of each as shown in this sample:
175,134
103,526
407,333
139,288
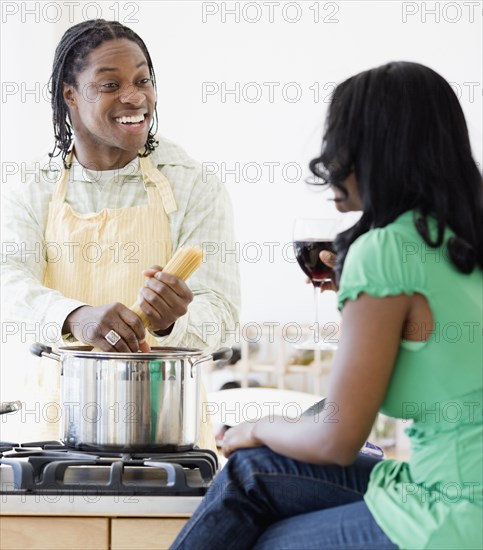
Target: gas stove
51,469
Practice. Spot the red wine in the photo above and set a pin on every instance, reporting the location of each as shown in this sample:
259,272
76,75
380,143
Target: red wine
307,254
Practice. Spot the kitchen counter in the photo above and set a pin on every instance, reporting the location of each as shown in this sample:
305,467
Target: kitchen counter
89,522
75,504
92,505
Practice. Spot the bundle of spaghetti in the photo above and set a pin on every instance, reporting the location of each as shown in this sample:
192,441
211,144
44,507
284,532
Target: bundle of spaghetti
183,264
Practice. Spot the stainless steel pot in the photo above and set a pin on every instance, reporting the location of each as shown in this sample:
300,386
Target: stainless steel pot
130,401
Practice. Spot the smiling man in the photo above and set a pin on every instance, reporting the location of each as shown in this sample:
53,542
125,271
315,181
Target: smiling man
111,104
109,207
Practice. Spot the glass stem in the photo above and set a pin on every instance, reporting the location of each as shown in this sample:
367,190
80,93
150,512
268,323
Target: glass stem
316,312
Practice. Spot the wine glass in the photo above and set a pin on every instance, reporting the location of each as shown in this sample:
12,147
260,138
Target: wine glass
310,237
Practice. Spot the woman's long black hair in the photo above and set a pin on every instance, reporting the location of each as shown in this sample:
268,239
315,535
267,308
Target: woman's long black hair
71,58
401,130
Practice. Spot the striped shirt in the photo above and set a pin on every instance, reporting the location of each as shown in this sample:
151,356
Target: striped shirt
203,218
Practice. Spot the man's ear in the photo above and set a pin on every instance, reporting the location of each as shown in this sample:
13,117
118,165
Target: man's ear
69,95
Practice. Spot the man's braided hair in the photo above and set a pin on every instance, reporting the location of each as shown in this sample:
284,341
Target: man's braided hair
70,59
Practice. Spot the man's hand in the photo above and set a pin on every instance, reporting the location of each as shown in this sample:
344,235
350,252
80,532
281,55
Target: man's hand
164,298
91,324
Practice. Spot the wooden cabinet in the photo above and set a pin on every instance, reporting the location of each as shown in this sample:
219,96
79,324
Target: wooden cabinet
53,533
144,534
87,533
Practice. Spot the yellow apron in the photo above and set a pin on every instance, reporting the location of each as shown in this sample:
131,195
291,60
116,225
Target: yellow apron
102,255
98,258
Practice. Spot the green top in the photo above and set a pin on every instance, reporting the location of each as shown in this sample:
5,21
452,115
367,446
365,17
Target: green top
434,500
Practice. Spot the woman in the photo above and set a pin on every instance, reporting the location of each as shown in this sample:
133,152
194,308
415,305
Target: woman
107,208
396,146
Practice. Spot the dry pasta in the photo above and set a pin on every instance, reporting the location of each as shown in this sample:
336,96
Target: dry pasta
183,264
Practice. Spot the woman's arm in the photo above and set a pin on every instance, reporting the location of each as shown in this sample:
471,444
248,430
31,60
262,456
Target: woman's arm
361,373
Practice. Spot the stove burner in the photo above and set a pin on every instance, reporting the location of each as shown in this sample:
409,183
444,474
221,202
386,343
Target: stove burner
49,467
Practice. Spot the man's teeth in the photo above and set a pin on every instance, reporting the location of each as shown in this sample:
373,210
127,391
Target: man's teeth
130,119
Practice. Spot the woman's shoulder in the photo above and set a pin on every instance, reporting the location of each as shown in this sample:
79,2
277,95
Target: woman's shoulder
384,261
399,240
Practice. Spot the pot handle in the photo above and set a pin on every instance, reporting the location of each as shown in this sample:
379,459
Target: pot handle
223,354
41,350
10,406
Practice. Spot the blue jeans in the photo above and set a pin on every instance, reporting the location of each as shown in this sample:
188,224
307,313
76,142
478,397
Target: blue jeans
263,500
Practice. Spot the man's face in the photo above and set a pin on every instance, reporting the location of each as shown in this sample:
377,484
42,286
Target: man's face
113,103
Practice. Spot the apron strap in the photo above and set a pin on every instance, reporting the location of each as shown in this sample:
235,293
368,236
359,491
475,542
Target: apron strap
58,196
152,175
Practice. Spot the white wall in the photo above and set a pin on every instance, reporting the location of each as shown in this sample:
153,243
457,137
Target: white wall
189,53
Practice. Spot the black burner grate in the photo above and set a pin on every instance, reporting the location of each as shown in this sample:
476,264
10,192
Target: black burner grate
49,467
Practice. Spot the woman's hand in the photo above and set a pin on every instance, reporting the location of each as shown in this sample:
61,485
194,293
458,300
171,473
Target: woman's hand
240,437
328,258
164,298
91,324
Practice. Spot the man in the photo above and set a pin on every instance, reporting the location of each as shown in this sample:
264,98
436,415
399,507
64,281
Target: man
111,211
